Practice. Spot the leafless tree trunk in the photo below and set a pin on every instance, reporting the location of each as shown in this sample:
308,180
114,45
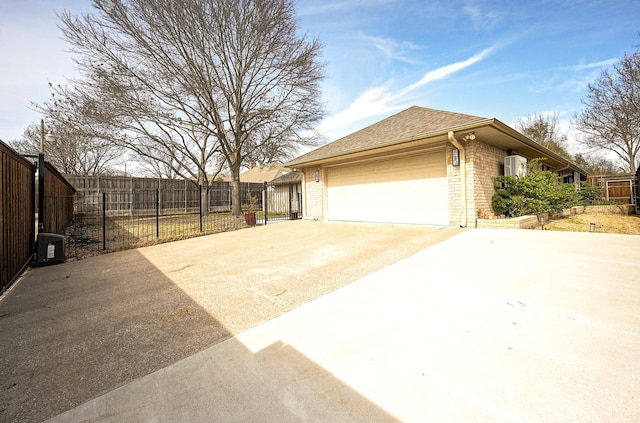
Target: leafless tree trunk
611,118
187,83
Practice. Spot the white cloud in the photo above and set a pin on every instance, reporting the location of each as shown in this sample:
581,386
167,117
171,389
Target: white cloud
480,18
375,101
445,71
391,48
585,66
382,99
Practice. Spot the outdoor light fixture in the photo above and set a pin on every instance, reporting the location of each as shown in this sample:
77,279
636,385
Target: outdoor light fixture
469,137
455,157
317,176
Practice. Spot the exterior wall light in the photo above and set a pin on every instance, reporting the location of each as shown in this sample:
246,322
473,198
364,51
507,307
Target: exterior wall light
455,157
317,176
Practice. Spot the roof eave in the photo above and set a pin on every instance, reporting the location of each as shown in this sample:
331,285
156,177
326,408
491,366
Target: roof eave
399,143
544,151
533,148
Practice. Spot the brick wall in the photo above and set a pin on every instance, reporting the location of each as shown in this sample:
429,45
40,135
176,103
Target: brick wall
313,204
455,199
483,163
487,162
523,222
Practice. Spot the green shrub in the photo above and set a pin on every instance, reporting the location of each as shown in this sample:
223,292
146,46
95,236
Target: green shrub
589,194
535,193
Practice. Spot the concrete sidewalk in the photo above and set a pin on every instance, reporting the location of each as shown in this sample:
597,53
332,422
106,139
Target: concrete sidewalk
490,325
77,330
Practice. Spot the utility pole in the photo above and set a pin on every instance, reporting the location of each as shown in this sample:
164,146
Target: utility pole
41,171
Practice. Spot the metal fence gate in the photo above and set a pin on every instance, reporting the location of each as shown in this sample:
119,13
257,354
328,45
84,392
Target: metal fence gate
283,201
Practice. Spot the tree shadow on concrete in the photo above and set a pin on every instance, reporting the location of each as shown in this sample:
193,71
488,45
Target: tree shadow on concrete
73,333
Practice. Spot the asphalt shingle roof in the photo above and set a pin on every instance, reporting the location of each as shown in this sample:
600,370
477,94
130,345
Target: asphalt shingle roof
408,123
287,178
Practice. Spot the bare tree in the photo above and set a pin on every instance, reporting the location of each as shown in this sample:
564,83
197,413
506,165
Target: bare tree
545,130
71,153
597,164
611,118
188,82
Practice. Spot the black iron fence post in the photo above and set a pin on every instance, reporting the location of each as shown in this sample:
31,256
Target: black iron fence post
291,201
266,202
41,170
104,221
200,205
300,205
157,212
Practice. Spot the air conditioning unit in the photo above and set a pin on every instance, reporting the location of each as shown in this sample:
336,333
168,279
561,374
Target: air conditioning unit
515,166
50,249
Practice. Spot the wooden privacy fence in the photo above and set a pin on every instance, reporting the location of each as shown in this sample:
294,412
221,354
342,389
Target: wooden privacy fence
619,188
138,195
17,217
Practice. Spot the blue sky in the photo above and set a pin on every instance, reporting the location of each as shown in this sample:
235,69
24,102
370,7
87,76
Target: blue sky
496,58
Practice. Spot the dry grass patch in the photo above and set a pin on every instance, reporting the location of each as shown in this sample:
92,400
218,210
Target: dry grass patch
609,223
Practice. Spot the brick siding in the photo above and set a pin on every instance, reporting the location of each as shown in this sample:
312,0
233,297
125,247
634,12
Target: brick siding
313,193
487,162
483,163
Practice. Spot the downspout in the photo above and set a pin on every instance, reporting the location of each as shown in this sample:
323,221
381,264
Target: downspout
303,204
463,178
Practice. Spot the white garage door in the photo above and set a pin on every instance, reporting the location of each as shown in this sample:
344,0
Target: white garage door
408,189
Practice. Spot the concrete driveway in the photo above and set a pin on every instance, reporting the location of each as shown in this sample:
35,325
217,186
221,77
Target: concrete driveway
74,331
488,325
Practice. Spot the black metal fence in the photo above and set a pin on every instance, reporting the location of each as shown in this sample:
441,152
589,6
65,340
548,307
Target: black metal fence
115,220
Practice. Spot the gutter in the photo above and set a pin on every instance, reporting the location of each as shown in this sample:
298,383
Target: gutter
463,178
316,161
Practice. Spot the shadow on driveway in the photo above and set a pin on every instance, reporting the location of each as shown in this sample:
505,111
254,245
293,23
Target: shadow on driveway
74,331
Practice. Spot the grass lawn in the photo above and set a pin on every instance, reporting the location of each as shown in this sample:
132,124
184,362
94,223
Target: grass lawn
609,223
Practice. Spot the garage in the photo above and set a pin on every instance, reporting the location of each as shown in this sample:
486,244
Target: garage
405,189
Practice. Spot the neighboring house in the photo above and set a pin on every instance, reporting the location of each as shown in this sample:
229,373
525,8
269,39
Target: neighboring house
261,173
420,166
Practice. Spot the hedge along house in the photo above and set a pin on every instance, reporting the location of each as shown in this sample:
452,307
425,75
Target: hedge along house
419,166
